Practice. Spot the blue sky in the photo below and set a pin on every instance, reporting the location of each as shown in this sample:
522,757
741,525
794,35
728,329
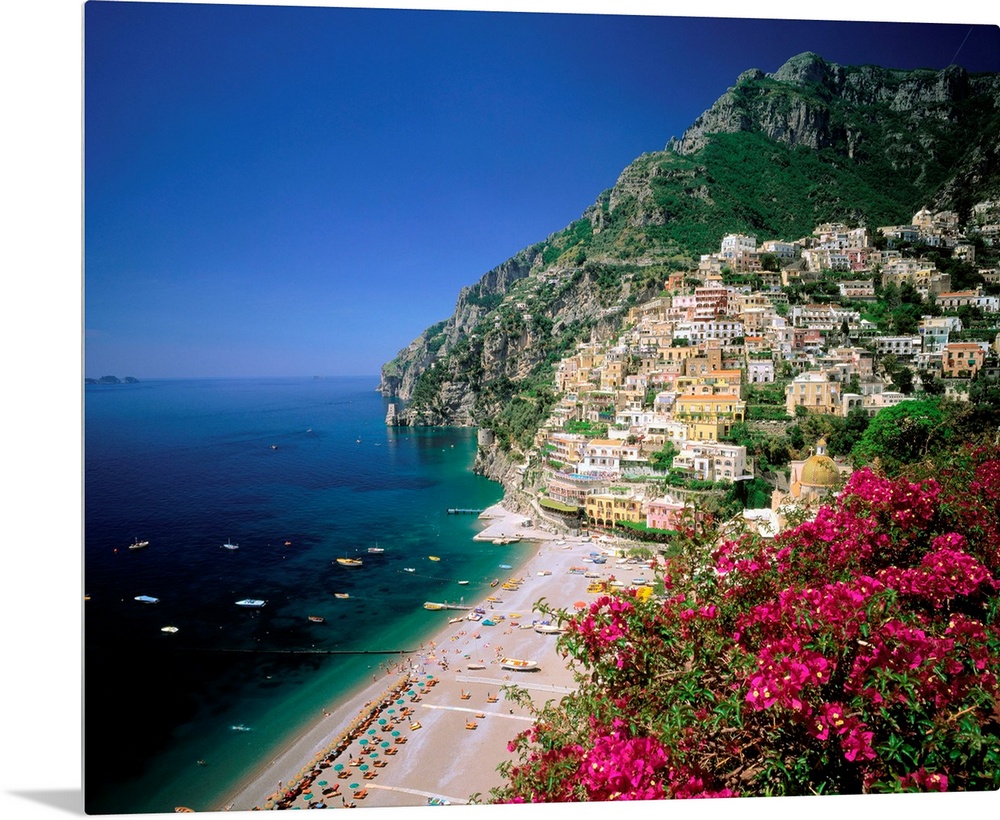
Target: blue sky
301,191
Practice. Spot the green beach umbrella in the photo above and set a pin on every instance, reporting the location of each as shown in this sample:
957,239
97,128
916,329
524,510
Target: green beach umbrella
338,767
363,741
395,733
354,785
373,755
382,721
322,782
385,744
372,731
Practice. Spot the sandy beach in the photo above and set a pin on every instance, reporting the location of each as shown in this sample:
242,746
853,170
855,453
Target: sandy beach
438,725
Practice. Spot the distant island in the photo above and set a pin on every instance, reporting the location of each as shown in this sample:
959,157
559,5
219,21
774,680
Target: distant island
112,380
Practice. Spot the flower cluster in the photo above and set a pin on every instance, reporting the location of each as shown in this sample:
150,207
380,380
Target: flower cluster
856,652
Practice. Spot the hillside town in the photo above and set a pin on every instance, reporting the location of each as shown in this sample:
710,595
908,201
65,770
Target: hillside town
762,335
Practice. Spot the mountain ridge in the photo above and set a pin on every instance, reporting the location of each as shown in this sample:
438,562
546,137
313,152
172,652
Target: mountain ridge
774,155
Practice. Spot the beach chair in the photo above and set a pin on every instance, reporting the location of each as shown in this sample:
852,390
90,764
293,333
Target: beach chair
471,724
466,695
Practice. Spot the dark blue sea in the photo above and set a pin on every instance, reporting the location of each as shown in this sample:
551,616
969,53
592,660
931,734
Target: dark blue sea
296,472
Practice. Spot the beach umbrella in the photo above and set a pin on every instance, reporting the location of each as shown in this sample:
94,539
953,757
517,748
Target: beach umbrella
338,767
363,767
354,785
399,702
382,721
384,744
363,741
322,782
580,605
395,733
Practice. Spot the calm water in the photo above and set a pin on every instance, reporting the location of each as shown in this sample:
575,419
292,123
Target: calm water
189,465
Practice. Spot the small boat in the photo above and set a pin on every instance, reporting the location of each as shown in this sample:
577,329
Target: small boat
229,545
488,622
475,666
409,569
341,595
433,558
147,599
251,603
518,664
274,446
462,583
183,809
494,582
288,543
640,581
376,550
433,606
138,545
457,620
545,572
349,562
239,727
506,566
317,619
169,629
474,616
547,629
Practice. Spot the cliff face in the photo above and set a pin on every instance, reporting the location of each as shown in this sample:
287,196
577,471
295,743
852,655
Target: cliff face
776,154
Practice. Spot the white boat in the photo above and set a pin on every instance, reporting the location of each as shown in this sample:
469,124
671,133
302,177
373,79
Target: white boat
341,595
137,544
251,603
147,599
475,666
239,727
433,605
462,583
547,629
169,629
229,545
376,549
518,664
409,569
506,566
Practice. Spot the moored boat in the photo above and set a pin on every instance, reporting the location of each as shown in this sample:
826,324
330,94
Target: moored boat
349,562
317,619
518,664
433,558
147,599
169,629
409,569
341,595
229,545
251,603
138,545
376,549
547,629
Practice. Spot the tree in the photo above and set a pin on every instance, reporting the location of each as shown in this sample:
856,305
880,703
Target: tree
901,434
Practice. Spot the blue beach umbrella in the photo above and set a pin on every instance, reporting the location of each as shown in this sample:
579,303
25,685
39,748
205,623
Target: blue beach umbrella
363,741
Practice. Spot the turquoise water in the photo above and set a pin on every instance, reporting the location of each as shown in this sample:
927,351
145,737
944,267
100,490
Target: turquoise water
189,465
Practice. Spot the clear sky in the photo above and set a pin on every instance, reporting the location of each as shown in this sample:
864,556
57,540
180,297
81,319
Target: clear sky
301,191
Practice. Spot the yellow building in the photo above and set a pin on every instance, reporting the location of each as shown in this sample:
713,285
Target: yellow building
709,418
605,509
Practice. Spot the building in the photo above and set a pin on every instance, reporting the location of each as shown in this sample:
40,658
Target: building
962,360
607,509
664,513
712,461
815,391
709,418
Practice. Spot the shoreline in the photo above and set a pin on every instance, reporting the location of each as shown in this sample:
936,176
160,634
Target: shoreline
452,707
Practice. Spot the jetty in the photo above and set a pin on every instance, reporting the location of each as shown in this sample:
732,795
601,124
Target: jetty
461,511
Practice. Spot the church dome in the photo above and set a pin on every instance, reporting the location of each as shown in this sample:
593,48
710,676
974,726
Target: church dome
819,471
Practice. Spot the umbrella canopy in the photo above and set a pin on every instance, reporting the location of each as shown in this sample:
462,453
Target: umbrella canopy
373,755
382,721
354,785
363,767
384,744
372,731
580,605
363,741
338,767
395,733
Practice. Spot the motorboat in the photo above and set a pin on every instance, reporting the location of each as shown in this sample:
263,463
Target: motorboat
462,583
475,666
518,664
138,545
433,606
239,727
349,562
251,603
376,550
433,558
170,630
495,582
147,599
341,595
506,566
547,629
317,619
229,545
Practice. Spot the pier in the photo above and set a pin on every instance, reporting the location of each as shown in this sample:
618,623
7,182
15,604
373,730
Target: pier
462,511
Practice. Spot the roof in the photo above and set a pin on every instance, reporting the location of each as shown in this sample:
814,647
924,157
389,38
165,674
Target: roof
819,471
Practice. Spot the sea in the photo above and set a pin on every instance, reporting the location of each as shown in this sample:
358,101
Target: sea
296,473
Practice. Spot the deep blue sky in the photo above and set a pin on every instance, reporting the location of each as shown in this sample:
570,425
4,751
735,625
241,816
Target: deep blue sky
301,191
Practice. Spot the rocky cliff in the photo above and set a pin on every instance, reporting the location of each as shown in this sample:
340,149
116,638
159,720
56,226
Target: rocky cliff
776,154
